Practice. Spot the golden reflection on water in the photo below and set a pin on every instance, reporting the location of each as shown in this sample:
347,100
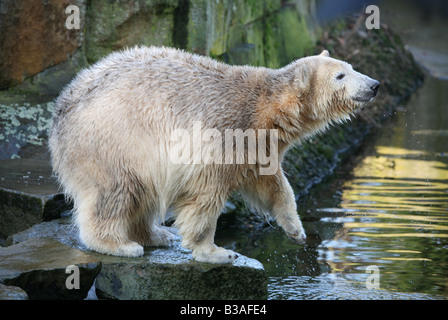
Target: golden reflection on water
396,216
393,184
397,162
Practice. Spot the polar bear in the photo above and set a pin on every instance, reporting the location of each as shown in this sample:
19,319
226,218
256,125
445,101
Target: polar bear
111,142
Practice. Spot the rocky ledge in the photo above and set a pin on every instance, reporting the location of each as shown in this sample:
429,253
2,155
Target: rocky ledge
43,269
36,261
28,195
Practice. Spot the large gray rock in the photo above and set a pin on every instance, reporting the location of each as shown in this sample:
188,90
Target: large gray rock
173,274
162,273
61,230
28,195
39,267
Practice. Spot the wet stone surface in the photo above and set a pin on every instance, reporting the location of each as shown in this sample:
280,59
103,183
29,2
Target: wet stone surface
12,293
28,195
162,273
38,266
173,274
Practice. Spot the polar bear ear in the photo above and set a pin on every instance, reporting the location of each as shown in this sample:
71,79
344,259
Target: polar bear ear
325,53
303,74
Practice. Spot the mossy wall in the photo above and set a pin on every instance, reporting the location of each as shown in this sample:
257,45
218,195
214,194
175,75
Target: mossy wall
263,33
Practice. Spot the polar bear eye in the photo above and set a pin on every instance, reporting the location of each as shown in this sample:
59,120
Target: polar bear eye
340,76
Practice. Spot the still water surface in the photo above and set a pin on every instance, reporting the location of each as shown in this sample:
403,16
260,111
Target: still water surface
389,211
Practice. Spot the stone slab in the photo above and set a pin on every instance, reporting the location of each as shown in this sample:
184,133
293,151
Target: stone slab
162,273
38,266
166,274
28,195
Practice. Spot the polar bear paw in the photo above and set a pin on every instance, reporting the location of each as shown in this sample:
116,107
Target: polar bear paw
216,255
122,249
131,249
161,237
297,235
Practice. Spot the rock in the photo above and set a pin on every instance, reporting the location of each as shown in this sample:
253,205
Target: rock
28,192
12,293
24,124
118,24
28,195
434,62
50,82
34,37
262,33
162,273
286,37
242,54
61,230
173,274
38,266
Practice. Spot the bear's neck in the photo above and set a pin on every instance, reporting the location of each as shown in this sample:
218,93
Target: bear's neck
281,107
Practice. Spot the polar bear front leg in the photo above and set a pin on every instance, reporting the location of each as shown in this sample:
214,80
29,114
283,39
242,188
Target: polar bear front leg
197,225
284,209
273,194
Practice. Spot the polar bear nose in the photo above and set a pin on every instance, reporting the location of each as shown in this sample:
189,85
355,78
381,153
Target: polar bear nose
375,86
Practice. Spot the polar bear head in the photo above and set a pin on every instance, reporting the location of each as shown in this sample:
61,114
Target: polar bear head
328,89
